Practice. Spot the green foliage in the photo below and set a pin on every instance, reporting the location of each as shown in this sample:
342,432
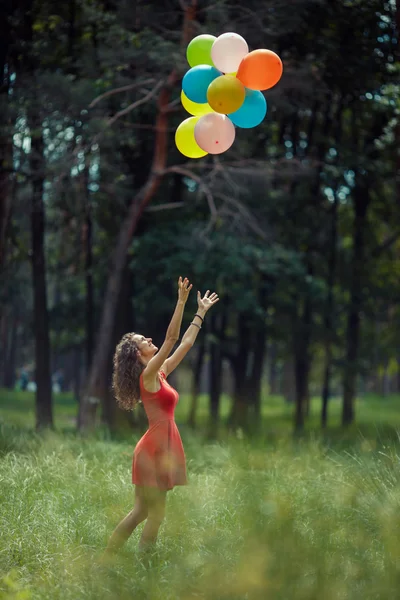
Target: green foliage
331,123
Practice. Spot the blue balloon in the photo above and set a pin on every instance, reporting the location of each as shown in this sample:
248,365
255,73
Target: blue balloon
252,111
196,81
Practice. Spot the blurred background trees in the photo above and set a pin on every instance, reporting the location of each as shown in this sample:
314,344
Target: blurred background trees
297,227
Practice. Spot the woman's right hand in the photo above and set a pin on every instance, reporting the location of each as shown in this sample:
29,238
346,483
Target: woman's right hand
183,289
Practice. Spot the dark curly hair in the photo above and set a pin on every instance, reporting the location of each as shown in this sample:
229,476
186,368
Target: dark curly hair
126,373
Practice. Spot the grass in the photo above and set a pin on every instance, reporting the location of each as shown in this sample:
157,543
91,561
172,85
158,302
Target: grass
270,518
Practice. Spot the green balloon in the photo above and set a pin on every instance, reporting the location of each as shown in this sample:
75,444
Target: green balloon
199,50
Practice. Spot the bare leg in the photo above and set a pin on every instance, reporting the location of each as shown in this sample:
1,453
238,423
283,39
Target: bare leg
155,503
125,528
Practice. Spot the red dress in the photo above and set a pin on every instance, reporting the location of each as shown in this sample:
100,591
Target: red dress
159,459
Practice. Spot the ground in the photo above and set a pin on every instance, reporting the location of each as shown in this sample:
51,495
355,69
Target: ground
269,517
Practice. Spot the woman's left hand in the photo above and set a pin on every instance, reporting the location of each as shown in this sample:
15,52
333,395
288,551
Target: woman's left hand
207,301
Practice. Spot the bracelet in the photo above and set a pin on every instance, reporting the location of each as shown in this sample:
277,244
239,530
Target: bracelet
195,324
196,315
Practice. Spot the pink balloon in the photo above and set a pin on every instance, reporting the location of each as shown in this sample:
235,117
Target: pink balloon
214,133
228,51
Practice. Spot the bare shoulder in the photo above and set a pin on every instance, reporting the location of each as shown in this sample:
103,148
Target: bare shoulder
151,382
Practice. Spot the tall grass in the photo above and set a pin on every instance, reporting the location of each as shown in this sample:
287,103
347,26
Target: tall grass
282,520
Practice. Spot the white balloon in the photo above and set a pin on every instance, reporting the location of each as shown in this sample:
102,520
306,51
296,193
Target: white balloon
228,51
214,133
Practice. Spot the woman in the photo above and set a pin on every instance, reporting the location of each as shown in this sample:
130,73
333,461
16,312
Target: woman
140,372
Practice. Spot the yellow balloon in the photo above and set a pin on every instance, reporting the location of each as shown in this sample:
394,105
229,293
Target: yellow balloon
184,139
226,94
198,110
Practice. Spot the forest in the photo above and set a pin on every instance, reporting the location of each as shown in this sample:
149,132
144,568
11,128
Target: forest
296,227
290,398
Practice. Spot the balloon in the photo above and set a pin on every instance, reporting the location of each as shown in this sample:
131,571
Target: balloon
199,50
252,111
226,94
228,51
260,70
214,133
198,110
196,81
185,141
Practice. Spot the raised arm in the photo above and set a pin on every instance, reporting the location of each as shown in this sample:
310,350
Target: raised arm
204,304
172,334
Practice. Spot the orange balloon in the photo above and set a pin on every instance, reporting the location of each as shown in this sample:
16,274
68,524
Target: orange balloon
260,70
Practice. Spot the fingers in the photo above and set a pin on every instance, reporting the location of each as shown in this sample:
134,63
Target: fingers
184,284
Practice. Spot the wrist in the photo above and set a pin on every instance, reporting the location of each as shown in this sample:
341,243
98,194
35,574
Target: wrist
201,312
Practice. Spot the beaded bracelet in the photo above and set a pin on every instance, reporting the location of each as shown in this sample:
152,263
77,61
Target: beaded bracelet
195,324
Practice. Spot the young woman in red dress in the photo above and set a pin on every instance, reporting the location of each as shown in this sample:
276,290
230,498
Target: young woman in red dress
140,373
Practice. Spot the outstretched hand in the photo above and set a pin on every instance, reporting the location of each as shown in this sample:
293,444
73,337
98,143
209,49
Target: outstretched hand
207,301
183,289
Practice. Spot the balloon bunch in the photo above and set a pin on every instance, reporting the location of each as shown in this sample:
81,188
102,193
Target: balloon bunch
221,90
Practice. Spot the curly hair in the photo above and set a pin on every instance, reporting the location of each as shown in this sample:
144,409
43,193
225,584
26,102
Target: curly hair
126,373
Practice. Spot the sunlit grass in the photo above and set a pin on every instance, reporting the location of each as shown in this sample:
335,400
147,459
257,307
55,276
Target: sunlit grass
271,517
289,520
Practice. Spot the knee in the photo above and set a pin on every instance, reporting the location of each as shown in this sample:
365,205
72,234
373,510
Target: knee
156,516
138,514
142,514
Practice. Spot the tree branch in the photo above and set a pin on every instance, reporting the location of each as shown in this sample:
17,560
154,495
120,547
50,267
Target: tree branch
124,88
244,212
134,105
201,184
165,206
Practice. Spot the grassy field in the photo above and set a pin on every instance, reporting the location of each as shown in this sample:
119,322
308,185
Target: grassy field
316,518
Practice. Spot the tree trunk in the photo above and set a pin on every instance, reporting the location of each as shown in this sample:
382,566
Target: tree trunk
361,202
112,416
301,375
44,408
10,352
8,342
218,326
397,377
288,380
302,360
95,381
3,345
6,154
397,165
89,298
255,382
272,369
239,412
77,362
329,319
198,366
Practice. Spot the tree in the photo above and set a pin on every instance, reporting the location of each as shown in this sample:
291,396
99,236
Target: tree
96,385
